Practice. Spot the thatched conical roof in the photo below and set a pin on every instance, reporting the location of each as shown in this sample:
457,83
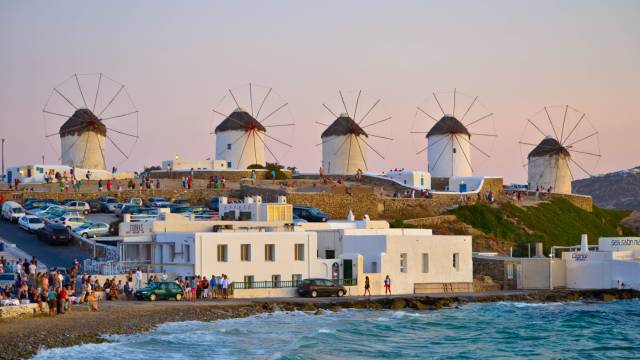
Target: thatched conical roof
343,125
548,147
448,125
81,121
240,120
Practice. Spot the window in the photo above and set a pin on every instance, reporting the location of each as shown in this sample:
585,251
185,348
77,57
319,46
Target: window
186,251
329,254
275,279
403,262
228,146
222,253
456,261
245,252
172,252
228,164
425,263
374,266
454,150
269,252
299,252
248,281
510,271
296,278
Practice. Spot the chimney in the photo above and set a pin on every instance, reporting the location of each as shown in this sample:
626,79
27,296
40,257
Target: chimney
539,250
584,243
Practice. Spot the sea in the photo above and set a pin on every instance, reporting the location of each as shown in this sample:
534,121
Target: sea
503,330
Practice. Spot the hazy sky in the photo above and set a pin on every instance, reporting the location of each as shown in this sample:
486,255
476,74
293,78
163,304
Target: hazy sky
178,58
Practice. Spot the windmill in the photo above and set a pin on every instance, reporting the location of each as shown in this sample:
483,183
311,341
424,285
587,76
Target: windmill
449,147
241,139
345,140
96,113
559,141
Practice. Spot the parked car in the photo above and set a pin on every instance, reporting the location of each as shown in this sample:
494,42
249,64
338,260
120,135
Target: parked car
320,287
133,201
7,279
152,201
180,201
31,204
214,204
309,213
95,206
298,220
12,211
108,203
55,234
47,209
92,229
70,221
31,223
180,209
128,209
160,290
67,201
81,206
117,209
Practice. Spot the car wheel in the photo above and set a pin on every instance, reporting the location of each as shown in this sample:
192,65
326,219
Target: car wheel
314,293
153,297
86,212
178,297
340,293
85,235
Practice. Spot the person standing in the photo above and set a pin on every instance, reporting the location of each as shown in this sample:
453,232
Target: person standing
138,276
108,184
366,286
387,285
100,185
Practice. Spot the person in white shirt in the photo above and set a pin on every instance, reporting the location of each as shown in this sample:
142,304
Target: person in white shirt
138,279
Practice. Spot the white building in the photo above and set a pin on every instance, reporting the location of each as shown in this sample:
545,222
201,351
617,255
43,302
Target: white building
82,139
240,140
419,180
33,174
344,151
448,149
548,167
615,264
196,165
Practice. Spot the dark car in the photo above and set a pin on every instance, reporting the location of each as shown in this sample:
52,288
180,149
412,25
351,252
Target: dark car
214,204
309,213
160,290
95,206
320,287
180,209
180,201
55,234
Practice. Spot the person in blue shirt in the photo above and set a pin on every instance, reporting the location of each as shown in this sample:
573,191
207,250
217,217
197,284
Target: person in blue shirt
213,288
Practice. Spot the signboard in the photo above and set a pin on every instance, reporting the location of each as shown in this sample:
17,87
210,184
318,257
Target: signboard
580,256
140,228
626,243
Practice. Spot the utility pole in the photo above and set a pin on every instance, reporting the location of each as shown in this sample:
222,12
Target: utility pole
2,175
42,159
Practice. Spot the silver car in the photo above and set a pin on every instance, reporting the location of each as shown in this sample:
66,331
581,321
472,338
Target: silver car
92,229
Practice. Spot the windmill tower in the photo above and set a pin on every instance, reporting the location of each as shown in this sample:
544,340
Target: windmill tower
344,141
449,146
250,150
242,139
104,116
85,128
549,163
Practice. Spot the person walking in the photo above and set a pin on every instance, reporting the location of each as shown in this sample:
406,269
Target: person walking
387,285
366,286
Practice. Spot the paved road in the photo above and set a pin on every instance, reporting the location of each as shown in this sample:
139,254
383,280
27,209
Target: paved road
51,255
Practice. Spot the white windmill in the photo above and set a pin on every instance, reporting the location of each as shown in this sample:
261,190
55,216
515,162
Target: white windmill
104,115
549,164
449,146
344,141
241,139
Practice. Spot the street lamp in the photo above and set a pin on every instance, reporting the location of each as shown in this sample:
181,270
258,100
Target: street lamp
2,176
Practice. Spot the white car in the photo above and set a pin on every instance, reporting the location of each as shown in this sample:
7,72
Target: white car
31,223
12,211
70,221
80,206
46,210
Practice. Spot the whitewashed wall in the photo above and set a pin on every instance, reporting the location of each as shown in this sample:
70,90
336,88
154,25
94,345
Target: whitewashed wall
253,148
450,163
337,159
549,171
83,150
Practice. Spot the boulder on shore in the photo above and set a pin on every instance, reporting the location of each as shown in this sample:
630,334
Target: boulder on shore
398,304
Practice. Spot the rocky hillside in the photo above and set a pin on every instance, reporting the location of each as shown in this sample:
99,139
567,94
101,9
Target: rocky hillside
616,190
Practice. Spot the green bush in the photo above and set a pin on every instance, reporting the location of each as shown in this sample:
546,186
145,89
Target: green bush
401,224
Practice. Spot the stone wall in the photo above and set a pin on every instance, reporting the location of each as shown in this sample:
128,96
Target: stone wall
497,270
194,196
21,310
229,175
584,202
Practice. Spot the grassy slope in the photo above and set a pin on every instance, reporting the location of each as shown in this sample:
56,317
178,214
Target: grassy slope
558,222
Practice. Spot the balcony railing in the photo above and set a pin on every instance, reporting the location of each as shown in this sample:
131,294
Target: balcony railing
284,284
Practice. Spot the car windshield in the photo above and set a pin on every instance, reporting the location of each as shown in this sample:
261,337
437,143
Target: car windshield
59,232
17,209
35,221
315,211
84,226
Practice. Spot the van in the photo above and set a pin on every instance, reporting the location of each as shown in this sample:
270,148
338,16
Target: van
12,211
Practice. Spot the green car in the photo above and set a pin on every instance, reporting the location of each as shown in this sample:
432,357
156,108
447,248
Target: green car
160,290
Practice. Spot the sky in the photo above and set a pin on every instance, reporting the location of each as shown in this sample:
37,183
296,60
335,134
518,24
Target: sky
177,60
